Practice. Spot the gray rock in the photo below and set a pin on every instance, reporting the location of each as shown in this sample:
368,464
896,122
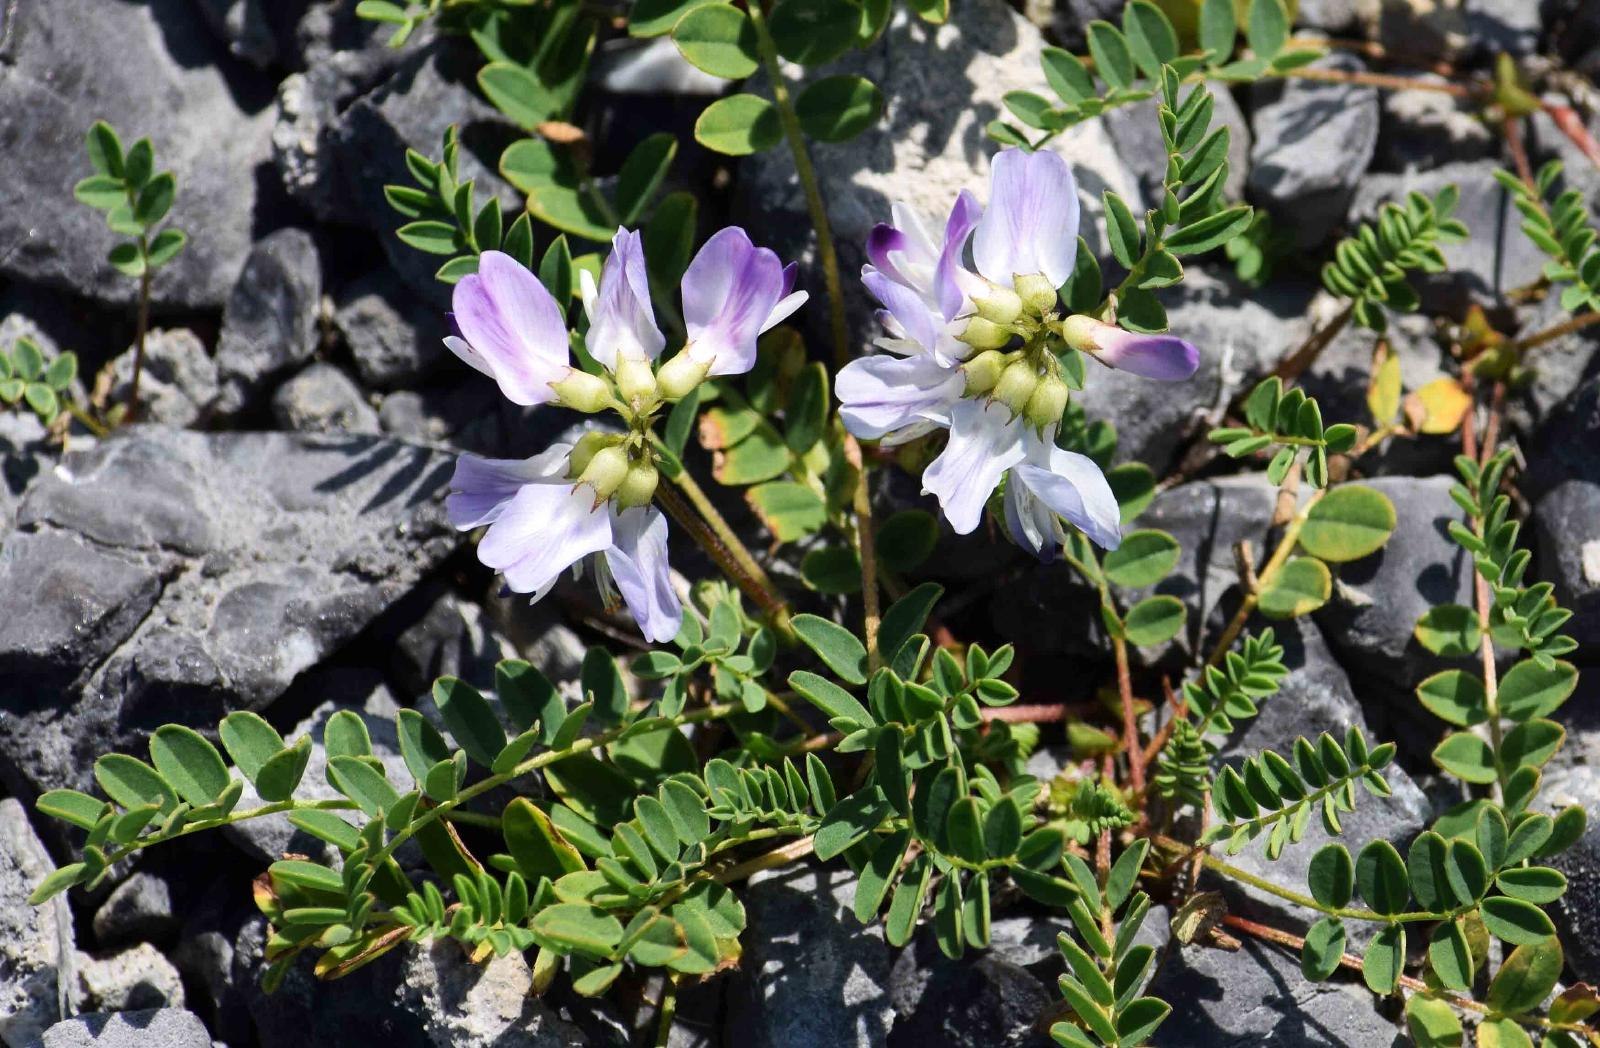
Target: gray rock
1069,19
432,90
1423,129
1316,697
1338,16
1557,368
925,150
455,639
1377,600
394,338
271,320
156,1028
417,997
1136,132
649,67
138,909
1257,996
25,452
1313,142
1495,258
271,838
245,27
1509,26
149,69
178,384
811,974
137,978
1562,447
37,985
1240,332
1577,913
980,1001
173,575
1566,544
322,399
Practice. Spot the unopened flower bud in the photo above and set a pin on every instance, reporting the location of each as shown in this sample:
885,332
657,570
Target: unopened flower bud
584,450
636,382
582,391
1037,293
679,376
983,371
985,334
998,304
606,471
1016,386
638,487
1078,331
1049,400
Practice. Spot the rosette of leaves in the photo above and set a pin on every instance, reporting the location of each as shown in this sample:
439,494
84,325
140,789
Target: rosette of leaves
135,200
1370,268
25,378
1130,60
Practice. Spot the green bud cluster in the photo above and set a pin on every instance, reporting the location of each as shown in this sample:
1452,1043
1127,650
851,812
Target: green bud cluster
1027,380
619,468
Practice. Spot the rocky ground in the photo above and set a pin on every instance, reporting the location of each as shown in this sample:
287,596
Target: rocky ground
271,536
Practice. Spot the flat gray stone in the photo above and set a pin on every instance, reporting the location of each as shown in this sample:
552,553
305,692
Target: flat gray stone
37,984
168,575
155,1028
323,399
270,324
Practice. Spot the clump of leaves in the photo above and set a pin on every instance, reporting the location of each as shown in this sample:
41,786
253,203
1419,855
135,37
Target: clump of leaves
26,379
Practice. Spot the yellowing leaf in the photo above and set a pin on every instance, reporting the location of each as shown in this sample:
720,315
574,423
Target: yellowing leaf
1444,404
1383,396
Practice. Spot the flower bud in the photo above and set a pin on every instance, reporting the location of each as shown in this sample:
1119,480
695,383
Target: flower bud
1078,331
582,391
998,304
1049,400
679,376
983,371
638,487
606,471
1016,386
1037,293
985,334
584,450
636,382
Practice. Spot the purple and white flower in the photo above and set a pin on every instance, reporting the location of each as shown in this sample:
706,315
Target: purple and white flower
590,504
1001,409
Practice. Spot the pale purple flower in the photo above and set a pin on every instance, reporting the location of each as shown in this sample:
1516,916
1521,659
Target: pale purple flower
541,523
1031,223
732,292
985,441
896,399
622,326
1165,358
511,329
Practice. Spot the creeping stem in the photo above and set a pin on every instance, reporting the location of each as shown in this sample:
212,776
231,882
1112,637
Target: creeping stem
734,560
866,550
808,182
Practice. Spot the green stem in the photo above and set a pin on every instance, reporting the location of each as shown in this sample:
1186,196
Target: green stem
88,421
1280,556
667,1011
532,764
275,808
1216,865
754,584
866,550
139,331
808,182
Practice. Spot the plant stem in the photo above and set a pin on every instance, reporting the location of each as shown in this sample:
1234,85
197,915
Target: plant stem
1291,535
735,561
143,325
1130,723
1294,365
1550,334
534,763
768,860
808,182
1480,588
1379,80
88,421
866,550
667,1011
275,808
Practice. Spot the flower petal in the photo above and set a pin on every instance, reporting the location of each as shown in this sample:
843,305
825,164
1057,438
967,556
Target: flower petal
786,305
916,320
622,324
638,562
511,327
1166,358
480,488
1074,487
883,243
985,441
891,398
964,217
543,530
1031,523
1031,223
730,291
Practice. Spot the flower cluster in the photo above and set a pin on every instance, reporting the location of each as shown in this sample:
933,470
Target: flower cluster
978,352
591,501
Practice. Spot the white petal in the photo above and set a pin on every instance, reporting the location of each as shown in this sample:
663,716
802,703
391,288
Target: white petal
985,441
881,396
1074,487
543,530
786,305
481,488
638,563
1031,223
